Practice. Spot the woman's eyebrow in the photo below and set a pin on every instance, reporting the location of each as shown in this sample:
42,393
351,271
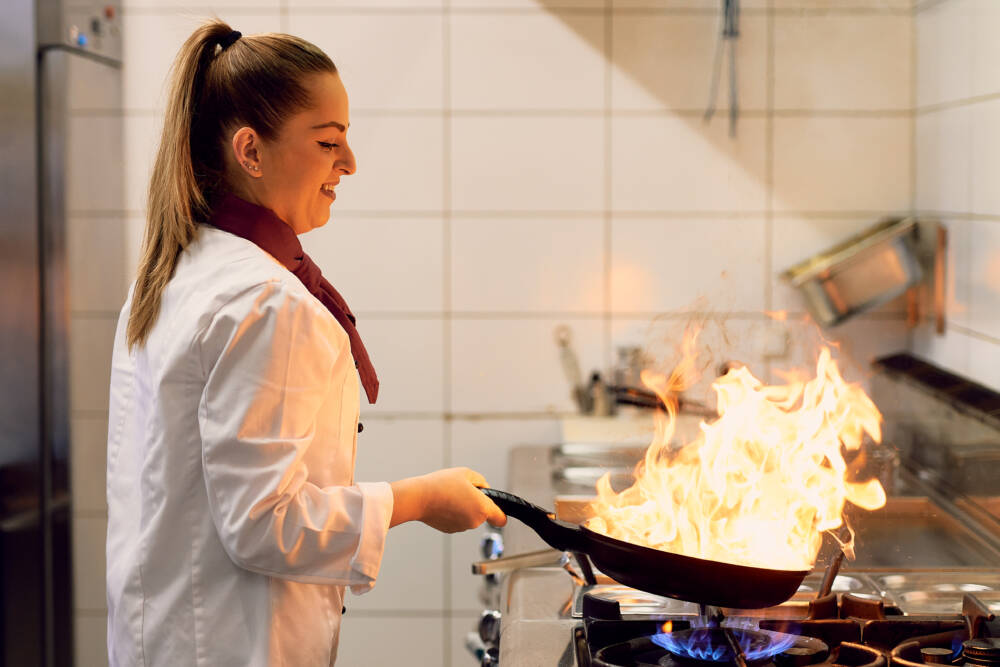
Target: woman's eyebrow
332,123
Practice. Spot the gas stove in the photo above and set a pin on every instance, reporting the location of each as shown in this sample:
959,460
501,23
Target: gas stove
916,560
867,620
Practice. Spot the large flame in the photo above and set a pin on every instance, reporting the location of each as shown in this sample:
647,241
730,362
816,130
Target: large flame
758,485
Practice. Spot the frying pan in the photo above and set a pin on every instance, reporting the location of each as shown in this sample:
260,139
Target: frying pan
658,572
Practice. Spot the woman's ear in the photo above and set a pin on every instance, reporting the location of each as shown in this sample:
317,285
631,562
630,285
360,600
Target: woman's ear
246,150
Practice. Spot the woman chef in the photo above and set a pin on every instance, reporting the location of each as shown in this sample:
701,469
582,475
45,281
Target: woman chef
234,523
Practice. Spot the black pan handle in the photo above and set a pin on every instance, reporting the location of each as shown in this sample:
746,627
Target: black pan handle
556,533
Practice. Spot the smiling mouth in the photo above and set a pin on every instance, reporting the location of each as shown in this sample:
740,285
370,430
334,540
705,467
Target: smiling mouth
327,190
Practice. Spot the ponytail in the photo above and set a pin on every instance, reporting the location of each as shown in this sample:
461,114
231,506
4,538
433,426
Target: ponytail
256,81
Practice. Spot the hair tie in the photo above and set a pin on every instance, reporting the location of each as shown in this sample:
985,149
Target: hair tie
229,39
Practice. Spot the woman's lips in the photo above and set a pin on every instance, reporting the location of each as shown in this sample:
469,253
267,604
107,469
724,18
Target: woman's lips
329,193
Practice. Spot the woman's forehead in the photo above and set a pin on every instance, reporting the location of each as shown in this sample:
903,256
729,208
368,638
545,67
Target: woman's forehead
329,103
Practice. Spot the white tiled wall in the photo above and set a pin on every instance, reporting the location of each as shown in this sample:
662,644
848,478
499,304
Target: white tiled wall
530,163
558,58
531,264
412,574
506,162
96,257
645,280
842,164
662,60
406,77
957,137
840,63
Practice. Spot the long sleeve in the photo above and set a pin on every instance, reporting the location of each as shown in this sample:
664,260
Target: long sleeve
273,359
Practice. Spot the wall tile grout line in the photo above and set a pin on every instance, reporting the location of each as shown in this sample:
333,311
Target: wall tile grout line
199,11
971,217
769,173
596,316
265,10
841,11
446,324
673,313
972,333
402,214
414,613
957,104
769,162
914,67
608,195
970,193
637,214
914,153
449,417
971,157
529,112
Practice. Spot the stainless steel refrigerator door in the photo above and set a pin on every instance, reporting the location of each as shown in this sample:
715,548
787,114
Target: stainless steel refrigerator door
21,571
35,576
19,298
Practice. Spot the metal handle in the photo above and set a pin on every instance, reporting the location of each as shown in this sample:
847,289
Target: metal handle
570,364
518,561
831,575
571,368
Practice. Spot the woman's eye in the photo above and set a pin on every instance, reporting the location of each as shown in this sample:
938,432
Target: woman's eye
327,145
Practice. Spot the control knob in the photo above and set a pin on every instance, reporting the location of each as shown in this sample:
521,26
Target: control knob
489,627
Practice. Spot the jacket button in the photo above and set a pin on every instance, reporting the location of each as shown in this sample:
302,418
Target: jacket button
361,427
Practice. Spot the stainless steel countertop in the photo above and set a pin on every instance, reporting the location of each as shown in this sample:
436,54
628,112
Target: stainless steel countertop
535,627
533,631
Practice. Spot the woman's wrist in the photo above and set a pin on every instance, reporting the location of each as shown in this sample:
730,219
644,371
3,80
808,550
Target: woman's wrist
408,500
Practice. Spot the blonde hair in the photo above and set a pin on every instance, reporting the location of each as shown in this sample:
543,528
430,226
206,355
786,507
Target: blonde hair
256,82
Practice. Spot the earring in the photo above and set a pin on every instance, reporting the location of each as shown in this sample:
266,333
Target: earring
251,167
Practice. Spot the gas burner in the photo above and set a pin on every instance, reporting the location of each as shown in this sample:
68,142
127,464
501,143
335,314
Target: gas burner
710,645
848,633
707,647
985,651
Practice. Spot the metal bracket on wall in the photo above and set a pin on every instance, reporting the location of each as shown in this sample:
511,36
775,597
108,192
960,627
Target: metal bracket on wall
932,293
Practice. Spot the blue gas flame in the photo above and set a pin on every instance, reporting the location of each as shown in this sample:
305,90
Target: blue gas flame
703,644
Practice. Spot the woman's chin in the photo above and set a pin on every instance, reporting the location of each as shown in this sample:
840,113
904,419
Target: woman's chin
322,219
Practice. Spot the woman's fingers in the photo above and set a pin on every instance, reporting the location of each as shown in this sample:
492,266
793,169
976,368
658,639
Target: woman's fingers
494,515
451,500
476,479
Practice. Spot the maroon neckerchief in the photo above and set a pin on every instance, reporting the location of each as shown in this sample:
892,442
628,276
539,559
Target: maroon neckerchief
273,235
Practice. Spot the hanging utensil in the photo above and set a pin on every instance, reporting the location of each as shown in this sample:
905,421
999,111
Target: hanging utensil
571,368
658,572
727,40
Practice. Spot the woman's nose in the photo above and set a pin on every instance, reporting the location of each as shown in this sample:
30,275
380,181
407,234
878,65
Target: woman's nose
346,164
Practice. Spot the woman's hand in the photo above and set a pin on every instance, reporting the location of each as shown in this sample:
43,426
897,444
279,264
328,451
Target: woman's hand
447,500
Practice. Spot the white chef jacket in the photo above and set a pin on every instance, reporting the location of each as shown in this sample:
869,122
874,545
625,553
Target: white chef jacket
233,520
